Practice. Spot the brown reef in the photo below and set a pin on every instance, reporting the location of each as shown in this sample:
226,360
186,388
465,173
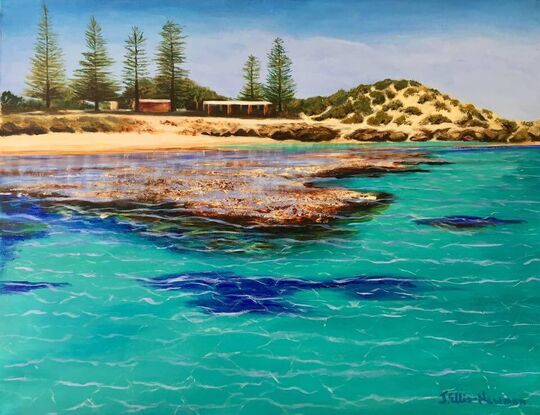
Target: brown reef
265,192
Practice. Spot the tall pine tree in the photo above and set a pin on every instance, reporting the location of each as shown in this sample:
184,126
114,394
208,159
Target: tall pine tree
170,56
47,77
135,65
280,87
93,80
252,90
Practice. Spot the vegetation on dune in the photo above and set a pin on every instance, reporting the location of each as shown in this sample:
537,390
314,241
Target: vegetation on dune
401,103
425,98
380,118
508,124
356,118
401,120
412,110
441,106
435,119
378,97
393,105
401,84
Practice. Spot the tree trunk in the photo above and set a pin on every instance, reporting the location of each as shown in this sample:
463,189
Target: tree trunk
96,106
137,101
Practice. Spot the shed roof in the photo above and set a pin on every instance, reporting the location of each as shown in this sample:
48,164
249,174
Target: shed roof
155,100
237,103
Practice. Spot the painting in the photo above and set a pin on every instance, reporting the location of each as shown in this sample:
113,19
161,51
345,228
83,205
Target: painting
221,207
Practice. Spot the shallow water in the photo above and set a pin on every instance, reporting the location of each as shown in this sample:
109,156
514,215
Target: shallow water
137,317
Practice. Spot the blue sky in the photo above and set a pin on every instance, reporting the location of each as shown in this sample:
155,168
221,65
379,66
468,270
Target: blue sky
482,51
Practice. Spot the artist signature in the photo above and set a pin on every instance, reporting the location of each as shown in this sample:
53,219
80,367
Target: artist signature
454,397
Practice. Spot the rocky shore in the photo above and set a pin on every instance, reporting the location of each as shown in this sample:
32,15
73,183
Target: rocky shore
304,130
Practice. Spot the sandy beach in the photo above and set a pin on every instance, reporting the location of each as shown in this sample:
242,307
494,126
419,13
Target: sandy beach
94,143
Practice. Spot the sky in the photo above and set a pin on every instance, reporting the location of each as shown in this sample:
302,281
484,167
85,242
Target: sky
486,52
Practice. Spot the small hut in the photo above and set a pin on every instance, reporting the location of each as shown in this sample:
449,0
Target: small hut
154,105
256,108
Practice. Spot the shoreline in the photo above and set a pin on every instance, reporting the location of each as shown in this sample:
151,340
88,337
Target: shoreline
117,143
77,133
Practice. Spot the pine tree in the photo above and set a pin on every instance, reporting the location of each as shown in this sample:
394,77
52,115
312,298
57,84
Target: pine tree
135,64
47,77
93,80
170,56
252,90
280,87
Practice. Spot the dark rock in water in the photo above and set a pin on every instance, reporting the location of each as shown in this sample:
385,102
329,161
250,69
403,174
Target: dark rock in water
466,221
226,292
19,287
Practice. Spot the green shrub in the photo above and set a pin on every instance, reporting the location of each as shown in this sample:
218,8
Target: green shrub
401,120
339,112
382,84
380,118
425,98
338,98
12,103
354,119
441,106
508,124
309,106
415,83
435,119
477,123
413,111
410,91
401,84
488,114
390,94
393,105
528,123
378,97
361,89
362,105
471,110
454,102
469,121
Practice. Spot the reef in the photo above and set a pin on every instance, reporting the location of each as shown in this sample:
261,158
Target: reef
262,191
226,292
467,222
21,287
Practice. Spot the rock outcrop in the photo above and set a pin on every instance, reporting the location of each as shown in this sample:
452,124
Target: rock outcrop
289,131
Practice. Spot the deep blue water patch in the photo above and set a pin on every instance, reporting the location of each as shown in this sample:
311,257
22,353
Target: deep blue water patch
21,287
226,292
466,222
21,219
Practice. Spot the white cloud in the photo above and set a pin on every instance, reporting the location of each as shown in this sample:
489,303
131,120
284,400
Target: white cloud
499,72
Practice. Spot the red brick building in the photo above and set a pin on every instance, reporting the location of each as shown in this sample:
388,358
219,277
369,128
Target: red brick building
155,105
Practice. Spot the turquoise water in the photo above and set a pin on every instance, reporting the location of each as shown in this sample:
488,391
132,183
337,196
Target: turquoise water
110,342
